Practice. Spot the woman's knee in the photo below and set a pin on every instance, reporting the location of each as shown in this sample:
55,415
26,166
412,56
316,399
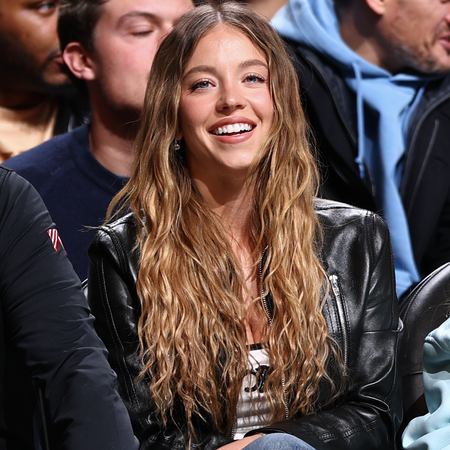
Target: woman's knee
278,441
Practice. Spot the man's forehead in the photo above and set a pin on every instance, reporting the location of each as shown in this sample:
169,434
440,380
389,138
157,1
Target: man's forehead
150,9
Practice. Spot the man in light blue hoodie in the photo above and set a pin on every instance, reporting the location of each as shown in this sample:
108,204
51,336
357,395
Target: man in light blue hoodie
374,76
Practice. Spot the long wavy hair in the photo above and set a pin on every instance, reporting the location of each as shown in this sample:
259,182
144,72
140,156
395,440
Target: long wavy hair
190,284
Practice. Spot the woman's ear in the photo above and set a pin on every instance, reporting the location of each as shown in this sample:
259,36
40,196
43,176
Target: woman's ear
78,61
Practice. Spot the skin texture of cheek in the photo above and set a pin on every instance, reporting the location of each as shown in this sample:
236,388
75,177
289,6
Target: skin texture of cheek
415,30
124,90
428,57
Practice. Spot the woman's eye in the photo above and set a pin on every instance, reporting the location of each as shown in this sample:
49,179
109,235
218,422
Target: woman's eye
254,79
202,84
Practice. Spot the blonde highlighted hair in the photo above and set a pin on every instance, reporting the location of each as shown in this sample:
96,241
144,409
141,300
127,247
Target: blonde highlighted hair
191,328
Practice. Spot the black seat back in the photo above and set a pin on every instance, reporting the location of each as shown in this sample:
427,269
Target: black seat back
423,310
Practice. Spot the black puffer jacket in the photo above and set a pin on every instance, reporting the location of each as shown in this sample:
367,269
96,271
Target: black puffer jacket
361,313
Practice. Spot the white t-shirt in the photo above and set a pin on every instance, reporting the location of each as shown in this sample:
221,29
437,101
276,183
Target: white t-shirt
252,410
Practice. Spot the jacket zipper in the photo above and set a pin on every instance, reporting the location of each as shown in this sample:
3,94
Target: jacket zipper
263,294
234,426
266,308
340,307
285,401
269,316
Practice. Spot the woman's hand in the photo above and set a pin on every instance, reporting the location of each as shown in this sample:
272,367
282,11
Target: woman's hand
241,443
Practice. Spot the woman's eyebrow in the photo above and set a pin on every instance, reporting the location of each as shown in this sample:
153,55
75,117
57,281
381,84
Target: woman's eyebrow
212,69
198,69
253,62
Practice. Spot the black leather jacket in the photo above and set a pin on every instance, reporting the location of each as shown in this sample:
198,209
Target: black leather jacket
361,313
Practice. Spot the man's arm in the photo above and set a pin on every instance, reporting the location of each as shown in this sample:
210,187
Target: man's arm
49,325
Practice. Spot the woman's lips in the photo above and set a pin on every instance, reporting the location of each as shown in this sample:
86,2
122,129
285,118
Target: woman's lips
233,127
235,137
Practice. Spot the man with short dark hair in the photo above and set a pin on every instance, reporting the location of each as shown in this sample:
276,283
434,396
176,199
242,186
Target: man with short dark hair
109,46
375,80
36,98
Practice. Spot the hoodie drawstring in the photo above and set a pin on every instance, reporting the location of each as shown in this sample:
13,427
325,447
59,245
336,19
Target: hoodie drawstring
360,120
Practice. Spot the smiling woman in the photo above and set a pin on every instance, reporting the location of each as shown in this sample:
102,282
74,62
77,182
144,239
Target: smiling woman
226,109
233,304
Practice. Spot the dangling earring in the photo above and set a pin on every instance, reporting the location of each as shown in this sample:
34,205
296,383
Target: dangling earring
176,145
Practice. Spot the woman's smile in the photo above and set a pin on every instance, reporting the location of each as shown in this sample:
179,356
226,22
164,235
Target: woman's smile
233,130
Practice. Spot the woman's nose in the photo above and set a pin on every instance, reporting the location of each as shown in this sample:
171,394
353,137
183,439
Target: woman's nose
231,98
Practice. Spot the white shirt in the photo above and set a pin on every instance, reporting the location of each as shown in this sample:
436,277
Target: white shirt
252,409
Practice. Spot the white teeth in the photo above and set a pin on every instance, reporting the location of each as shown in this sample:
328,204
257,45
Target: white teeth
235,128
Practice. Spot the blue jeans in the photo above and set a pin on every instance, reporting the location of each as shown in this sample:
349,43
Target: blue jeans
278,441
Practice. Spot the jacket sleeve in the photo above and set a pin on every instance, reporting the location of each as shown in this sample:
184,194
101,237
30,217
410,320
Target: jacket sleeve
116,307
432,431
48,325
370,411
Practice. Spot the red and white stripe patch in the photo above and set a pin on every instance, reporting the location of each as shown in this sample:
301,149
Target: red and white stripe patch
56,240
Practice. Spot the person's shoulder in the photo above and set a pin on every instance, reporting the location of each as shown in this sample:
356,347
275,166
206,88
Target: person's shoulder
295,50
11,181
292,44
330,209
18,194
300,53
120,231
5,172
49,153
311,66
334,214
50,162
352,237
120,224
116,240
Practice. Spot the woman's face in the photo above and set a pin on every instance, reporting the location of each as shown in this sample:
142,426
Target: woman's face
226,109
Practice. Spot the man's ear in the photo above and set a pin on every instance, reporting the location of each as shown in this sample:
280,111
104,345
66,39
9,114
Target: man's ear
377,6
78,61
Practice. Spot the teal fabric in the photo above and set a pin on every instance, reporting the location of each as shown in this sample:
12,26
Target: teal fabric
384,103
432,431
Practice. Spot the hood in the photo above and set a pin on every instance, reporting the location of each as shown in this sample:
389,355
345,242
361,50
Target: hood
384,104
